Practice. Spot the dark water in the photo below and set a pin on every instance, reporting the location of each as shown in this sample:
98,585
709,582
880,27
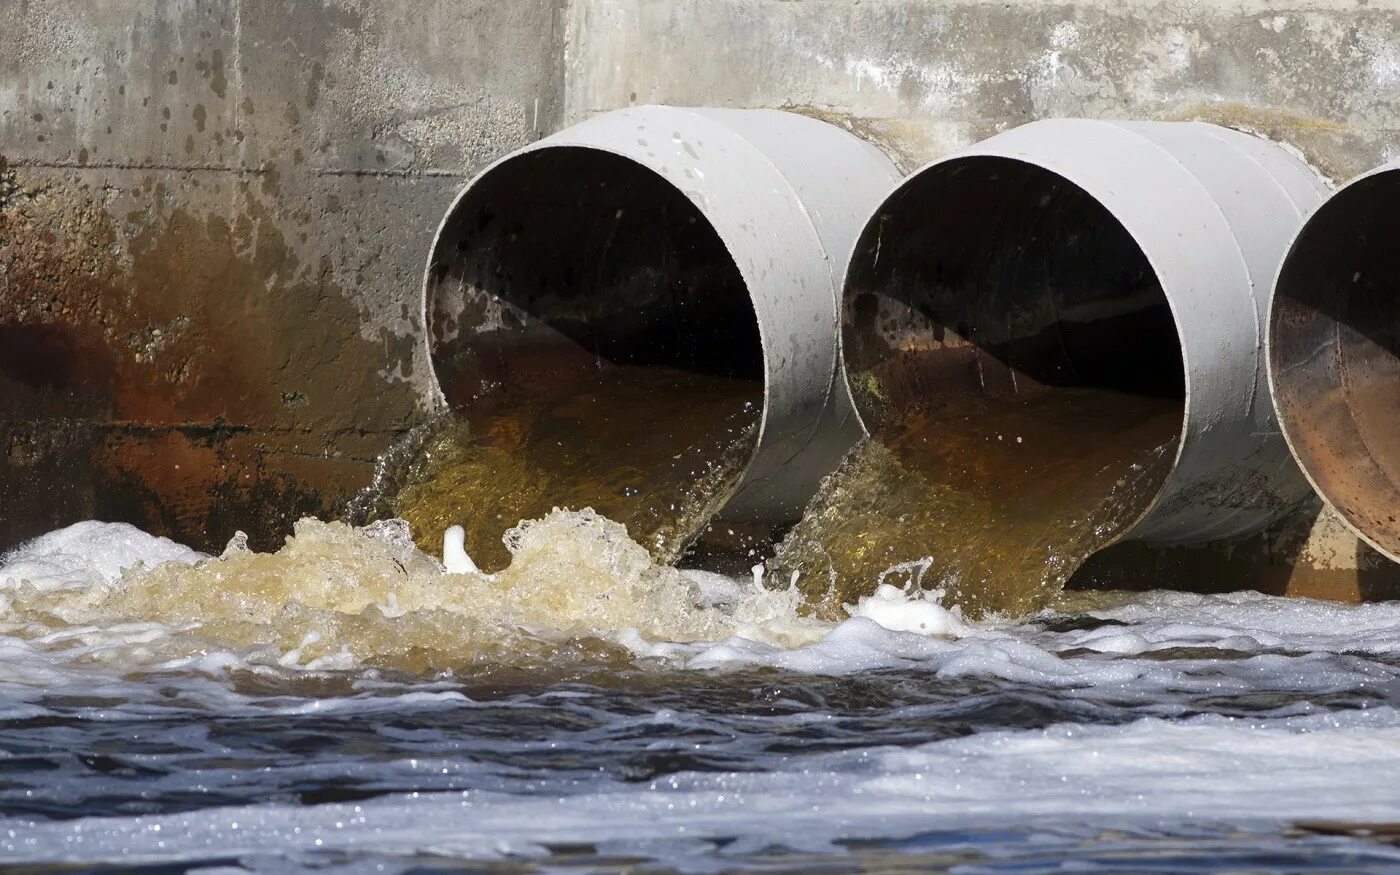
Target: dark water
135,755
1163,733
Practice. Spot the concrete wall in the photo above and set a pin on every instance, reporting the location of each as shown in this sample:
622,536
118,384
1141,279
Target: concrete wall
213,221
923,77
214,215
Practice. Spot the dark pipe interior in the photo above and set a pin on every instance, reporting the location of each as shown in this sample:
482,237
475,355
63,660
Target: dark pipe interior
572,258
1335,354
598,344
992,278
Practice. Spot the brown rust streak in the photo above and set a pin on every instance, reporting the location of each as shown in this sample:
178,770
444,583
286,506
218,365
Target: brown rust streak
183,372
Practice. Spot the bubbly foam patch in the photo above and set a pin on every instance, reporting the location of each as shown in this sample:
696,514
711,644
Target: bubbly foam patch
1141,775
1242,621
88,554
337,597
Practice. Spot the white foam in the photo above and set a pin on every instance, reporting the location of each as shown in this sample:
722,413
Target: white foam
1229,772
1286,644
454,552
86,554
756,626
1247,621
898,611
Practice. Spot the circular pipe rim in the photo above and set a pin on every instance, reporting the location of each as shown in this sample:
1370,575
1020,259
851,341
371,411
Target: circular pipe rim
548,144
1392,167
977,152
784,264
1069,150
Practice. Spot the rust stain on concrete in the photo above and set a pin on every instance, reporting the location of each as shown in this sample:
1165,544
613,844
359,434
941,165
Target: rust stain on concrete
146,367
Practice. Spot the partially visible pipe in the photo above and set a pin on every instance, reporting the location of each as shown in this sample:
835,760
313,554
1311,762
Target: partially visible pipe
1161,238
698,240
1334,354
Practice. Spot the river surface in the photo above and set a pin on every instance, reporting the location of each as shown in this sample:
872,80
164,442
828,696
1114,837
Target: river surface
347,706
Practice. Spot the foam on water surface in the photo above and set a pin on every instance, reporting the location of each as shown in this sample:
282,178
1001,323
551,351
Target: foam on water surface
1210,770
347,701
338,597
89,553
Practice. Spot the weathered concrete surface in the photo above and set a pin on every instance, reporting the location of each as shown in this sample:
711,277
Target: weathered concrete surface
924,77
213,222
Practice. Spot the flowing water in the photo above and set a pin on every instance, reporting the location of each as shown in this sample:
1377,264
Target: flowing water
657,450
982,500
345,705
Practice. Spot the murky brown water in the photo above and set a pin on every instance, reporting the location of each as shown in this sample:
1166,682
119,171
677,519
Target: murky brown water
996,502
655,449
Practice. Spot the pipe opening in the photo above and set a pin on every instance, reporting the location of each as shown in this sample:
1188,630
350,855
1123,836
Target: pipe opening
1012,353
987,279
597,346
1334,355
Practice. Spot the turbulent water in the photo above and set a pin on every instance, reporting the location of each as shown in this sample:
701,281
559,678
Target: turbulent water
347,705
658,450
983,500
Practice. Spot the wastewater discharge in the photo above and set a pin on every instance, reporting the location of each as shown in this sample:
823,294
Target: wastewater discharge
338,597
993,502
657,450
289,711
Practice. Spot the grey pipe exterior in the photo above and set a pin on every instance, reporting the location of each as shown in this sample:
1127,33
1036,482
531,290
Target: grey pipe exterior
1212,210
1334,354
786,194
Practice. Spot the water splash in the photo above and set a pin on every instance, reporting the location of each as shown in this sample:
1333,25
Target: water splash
983,501
657,450
340,597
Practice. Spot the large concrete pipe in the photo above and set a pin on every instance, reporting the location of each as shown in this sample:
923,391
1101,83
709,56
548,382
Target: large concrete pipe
703,245
1334,354
1129,257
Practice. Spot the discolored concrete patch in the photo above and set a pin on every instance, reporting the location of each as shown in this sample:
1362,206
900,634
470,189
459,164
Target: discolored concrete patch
197,372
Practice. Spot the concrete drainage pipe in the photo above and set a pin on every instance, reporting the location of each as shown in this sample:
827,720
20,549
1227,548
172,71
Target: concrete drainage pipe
1334,354
598,300
1064,255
